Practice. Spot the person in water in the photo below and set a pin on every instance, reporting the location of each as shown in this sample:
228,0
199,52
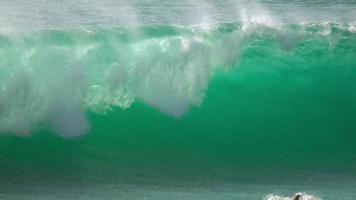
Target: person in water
297,196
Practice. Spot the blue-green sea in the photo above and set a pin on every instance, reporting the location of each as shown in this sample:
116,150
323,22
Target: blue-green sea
177,100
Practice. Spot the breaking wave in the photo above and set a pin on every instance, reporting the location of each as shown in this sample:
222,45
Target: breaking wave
52,78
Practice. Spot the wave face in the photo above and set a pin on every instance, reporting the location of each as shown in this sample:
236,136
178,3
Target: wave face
232,100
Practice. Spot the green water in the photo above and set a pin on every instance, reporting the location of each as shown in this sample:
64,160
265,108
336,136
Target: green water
166,112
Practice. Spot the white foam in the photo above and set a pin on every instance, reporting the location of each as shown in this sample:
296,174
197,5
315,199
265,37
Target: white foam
352,27
297,196
259,16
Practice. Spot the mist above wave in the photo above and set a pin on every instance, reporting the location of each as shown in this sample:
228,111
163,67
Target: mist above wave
19,15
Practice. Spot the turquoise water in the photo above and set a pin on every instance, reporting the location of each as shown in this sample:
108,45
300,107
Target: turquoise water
232,105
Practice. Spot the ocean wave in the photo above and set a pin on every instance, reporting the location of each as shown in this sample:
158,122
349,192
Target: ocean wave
54,77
